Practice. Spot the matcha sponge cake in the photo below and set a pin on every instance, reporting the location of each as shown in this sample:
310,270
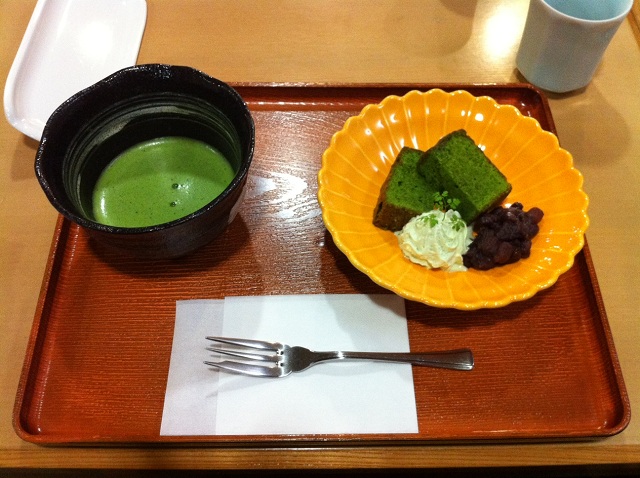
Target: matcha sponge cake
457,165
404,194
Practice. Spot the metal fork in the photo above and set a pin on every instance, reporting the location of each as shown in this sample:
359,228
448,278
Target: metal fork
273,359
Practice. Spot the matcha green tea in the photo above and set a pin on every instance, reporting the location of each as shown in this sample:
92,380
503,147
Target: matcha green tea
158,181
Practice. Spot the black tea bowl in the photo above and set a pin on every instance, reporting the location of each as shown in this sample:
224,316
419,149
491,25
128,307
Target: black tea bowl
132,106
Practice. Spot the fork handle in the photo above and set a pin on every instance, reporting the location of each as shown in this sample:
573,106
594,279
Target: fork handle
461,359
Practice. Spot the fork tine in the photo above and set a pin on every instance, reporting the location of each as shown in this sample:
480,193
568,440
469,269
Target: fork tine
246,369
246,356
252,344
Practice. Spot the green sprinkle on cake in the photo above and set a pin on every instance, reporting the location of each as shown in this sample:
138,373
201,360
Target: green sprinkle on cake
457,165
404,194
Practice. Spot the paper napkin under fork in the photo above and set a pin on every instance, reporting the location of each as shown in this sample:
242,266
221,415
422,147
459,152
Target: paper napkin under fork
330,398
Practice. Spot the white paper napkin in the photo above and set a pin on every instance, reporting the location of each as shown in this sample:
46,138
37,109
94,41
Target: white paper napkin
331,398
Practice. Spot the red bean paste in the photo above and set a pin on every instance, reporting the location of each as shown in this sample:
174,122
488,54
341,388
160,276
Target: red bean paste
503,236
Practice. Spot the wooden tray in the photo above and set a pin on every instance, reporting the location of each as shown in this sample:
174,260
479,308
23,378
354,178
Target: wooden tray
98,356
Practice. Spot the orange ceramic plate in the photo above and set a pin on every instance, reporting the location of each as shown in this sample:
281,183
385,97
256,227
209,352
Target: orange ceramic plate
541,174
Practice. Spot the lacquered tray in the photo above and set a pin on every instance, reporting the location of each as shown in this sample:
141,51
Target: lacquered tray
98,356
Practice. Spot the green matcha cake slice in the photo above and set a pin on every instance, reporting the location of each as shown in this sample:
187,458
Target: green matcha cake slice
404,194
462,169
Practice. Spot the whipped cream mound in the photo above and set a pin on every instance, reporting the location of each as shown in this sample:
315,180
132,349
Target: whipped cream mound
436,240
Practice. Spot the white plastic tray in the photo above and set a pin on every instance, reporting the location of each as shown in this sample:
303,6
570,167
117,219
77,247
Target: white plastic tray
67,46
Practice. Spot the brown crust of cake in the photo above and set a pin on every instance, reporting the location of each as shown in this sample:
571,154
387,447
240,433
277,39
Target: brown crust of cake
390,217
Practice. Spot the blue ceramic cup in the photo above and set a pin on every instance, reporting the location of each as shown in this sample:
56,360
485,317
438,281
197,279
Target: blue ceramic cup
564,40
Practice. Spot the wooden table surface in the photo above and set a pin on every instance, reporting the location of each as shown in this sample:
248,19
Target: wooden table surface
348,41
